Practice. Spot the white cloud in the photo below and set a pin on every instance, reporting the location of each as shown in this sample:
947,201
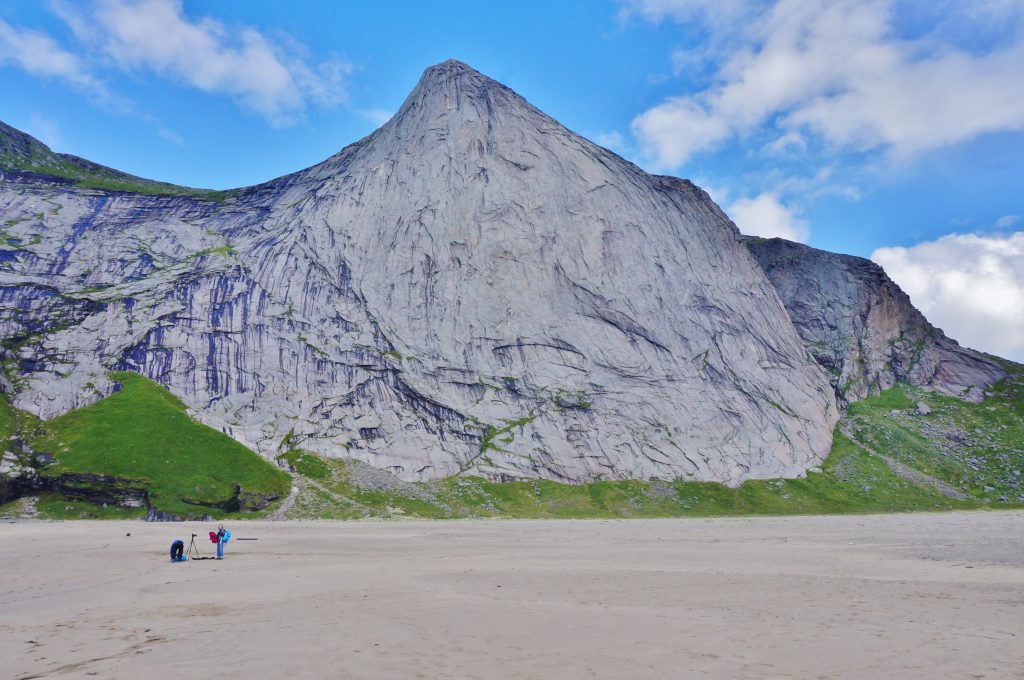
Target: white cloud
971,286
171,136
721,13
45,129
377,116
611,140
38,54
835,69
790,142
672,132
1007,221
766,216
809,187
269,76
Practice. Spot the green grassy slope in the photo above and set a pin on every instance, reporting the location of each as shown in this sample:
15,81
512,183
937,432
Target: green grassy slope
851,481
143,433
976,448
6,418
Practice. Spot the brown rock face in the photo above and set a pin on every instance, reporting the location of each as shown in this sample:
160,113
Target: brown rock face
862,327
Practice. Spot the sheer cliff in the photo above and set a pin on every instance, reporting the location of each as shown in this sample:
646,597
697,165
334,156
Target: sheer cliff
472,288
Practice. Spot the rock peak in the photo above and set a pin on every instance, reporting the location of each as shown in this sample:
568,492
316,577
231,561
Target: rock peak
454,90
450,68
452,64
453,75
471,264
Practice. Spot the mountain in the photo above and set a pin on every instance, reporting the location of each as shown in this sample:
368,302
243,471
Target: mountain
862,327
472,288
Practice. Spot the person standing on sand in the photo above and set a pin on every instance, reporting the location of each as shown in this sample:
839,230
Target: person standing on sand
222,537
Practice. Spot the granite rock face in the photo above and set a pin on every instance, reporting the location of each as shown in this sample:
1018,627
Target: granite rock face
862,327
471,288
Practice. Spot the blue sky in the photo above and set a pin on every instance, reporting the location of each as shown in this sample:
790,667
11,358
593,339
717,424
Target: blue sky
891,130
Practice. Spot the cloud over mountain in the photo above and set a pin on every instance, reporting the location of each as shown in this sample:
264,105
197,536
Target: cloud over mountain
970,285
836,70
766,216
38,54
271,75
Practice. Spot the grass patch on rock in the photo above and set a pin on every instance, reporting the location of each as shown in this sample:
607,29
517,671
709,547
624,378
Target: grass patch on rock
887,456
977,448
959,456
306,463
7,422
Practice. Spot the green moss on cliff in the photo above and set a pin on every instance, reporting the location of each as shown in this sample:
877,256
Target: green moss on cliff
976,448
7,423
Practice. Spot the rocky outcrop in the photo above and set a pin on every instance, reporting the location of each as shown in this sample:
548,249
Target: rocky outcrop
240,501
863,329
471,289
94,488
20,476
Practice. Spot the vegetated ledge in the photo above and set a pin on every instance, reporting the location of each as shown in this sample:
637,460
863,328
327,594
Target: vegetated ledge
889,455
127,184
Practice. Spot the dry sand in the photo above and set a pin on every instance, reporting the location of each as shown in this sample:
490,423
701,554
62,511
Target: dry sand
898,596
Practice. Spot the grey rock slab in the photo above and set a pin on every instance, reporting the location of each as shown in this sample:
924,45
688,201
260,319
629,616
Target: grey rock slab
471,289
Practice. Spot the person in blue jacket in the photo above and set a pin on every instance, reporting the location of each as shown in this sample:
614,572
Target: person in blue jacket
223,535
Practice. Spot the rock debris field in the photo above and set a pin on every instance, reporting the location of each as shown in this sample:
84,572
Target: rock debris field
908,596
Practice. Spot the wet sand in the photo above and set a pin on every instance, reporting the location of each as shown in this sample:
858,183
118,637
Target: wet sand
908,596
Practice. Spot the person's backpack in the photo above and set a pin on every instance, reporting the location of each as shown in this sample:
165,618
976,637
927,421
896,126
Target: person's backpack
227,535
213,537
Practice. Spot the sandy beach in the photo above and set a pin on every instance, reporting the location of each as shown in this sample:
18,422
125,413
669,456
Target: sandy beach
909,596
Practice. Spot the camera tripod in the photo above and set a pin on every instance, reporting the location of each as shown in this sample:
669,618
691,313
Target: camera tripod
193,552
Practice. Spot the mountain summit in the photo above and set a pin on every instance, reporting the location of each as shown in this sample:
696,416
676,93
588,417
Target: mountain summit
470,289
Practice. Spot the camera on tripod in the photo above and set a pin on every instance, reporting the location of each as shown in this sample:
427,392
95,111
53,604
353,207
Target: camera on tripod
192,552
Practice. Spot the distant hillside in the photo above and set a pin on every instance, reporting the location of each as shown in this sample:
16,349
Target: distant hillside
890,455
20,152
